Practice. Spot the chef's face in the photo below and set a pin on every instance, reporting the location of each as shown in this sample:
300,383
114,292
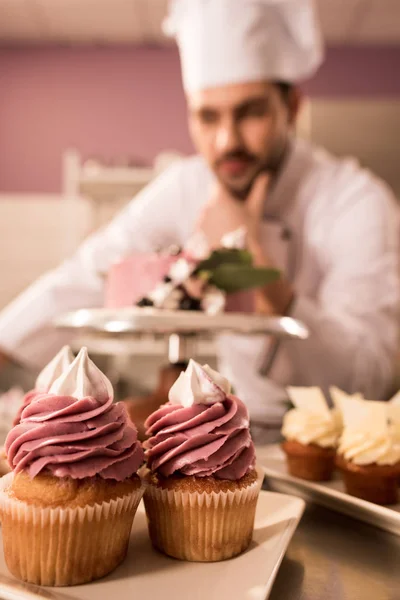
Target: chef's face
242,130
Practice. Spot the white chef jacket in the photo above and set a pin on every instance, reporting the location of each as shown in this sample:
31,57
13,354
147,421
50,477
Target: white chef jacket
333,229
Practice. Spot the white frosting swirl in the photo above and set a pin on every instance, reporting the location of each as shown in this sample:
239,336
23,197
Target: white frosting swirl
310,428
83,379
368,438
362,448
311,421
54,369
199,385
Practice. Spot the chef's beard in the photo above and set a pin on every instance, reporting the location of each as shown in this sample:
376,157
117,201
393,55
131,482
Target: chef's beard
270,165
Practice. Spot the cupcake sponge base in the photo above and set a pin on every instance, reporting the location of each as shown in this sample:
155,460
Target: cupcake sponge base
374,483
201,519
310,462
58,546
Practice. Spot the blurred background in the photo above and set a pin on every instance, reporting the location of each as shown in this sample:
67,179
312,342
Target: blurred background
92,108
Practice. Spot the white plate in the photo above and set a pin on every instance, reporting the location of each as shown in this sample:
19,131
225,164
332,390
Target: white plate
149,575
330,494
151,320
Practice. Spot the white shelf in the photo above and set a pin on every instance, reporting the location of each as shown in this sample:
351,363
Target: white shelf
116,176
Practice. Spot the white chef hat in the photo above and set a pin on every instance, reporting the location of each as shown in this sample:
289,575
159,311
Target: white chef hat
234,41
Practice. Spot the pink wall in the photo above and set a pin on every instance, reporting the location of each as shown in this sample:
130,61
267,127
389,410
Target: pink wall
113,102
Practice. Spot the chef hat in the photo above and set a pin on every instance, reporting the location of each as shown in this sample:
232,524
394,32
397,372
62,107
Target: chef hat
234,41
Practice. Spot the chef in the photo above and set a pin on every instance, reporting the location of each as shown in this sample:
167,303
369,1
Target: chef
331,227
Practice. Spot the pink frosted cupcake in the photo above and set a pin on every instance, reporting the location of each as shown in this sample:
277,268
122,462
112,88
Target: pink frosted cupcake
202,487
46,378
67,508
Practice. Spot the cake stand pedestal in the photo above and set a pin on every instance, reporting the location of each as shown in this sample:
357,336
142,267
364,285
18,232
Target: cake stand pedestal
126,331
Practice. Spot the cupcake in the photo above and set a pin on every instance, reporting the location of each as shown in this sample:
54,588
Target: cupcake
202,485
67,508
311,431
46,378
369,452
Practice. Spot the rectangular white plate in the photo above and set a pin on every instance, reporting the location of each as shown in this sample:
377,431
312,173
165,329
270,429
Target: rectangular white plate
147,574
329,494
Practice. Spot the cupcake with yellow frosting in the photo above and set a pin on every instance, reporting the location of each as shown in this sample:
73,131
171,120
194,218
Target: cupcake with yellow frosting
311,431
202,486
369,452
67,508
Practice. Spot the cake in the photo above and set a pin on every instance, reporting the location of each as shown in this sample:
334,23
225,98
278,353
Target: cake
46,378
67,508
195,278
368,456
311,431
202,485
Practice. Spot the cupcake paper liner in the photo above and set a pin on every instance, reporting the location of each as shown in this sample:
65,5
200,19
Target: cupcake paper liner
374,483
59,547
309,462
203,526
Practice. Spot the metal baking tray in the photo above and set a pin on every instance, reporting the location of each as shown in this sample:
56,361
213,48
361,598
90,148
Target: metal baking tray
328,494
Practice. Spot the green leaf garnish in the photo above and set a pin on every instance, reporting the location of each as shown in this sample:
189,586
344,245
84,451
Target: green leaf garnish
225,256
236,277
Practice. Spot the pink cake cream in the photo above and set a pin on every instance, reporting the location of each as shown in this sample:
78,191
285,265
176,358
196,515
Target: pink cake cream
169,281
202,431
135,277
75,429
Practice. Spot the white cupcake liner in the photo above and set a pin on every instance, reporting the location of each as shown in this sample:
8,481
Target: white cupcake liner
56,546
202,526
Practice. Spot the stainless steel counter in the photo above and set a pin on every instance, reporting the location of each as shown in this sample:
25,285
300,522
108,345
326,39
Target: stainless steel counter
333,557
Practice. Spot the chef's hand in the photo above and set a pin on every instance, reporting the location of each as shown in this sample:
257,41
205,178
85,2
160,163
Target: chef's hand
223,213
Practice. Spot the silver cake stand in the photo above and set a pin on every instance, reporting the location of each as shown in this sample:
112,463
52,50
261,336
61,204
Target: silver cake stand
119,330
